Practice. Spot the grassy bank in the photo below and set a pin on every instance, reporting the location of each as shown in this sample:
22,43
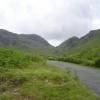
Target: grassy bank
33,79
87,56
86,52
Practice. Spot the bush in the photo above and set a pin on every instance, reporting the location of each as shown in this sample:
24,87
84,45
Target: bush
97,62
52,58
70,59
13,58
39,59
17,59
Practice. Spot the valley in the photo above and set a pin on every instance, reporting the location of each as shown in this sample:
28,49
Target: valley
25,73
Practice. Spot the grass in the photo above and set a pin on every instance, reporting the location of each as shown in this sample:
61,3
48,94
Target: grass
87,52
38,80
41,82
85,56
12,58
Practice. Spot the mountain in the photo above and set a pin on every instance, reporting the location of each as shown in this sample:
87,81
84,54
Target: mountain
91,40
67,45
35,43
85,51
27,42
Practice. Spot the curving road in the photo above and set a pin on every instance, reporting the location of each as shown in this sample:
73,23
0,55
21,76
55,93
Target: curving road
89,76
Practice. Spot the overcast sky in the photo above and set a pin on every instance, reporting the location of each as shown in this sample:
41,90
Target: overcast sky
55,20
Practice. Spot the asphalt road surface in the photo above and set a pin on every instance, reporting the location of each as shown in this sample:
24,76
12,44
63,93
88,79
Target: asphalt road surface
88,75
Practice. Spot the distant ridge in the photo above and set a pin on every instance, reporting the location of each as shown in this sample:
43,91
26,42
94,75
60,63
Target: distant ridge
27,42
67,45
35,43
92,39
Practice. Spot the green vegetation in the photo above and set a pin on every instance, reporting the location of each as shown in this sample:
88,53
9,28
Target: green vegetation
17,59
24,76
97,62
86,52
89,57
26,42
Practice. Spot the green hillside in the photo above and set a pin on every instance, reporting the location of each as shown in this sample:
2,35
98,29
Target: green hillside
25,42
87,51
24,76
66,46
84,50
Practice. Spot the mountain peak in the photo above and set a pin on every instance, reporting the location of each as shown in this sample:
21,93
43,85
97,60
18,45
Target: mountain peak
29,42
71,41
67,45
92,39
92,34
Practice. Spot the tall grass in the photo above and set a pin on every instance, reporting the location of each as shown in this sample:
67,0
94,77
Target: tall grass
87,56
17,59
24,76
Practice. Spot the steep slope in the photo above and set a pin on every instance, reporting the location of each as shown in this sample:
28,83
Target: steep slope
86,51
91,40
7,38
29,42
67,45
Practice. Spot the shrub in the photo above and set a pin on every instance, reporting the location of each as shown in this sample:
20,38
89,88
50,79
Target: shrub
97,62
17,59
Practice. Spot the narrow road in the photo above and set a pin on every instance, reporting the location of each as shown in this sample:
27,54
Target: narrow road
89,76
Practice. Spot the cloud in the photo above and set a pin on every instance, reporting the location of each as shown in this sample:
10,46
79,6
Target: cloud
55,20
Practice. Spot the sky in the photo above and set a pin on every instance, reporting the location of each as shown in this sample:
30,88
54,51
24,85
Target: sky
55,20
